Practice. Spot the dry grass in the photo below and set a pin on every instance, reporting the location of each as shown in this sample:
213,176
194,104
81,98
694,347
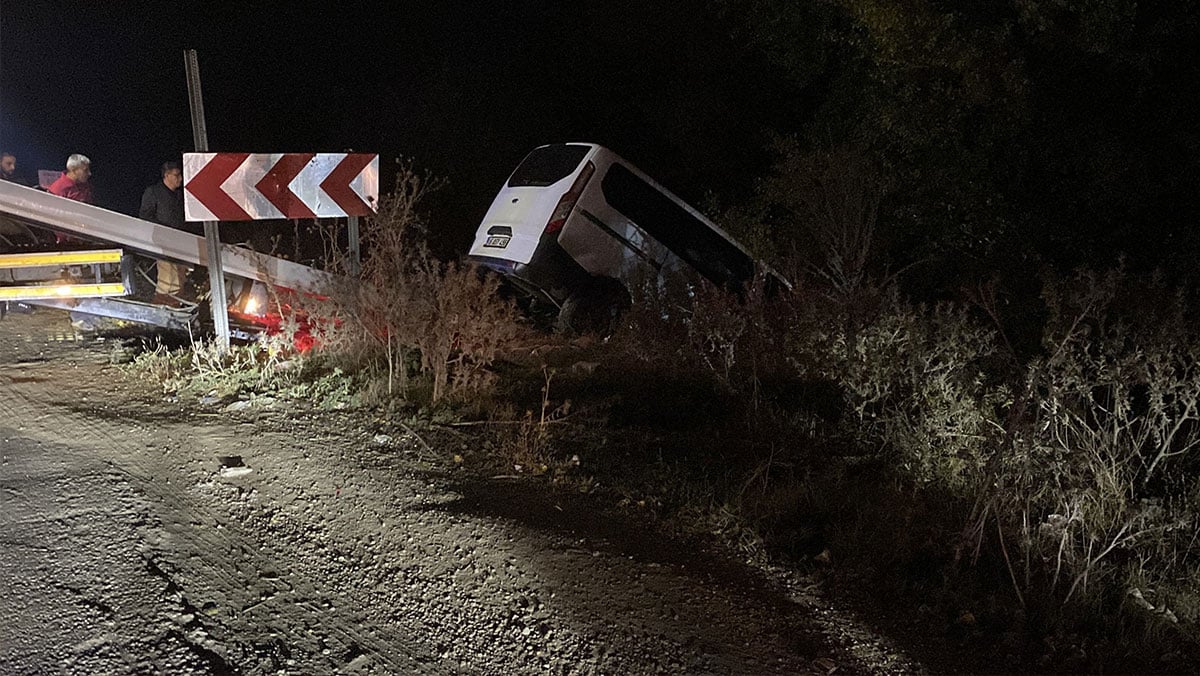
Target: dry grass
404,314
848,424
938,457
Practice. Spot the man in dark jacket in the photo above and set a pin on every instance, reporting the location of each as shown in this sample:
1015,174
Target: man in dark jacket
8,167
162,203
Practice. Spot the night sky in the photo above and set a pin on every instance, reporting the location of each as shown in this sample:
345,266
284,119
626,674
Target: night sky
464,89
1014,134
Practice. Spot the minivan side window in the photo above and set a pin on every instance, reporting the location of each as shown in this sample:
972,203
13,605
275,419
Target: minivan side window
686,236
547,165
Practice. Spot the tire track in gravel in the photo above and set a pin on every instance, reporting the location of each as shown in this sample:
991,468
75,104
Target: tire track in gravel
487,599
76,599
212,563
341,556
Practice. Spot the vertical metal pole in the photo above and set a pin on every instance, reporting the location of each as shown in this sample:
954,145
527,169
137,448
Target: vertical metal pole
355,254
2,144
212,234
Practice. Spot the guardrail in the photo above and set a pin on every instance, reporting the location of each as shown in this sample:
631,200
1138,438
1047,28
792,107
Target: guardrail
41,209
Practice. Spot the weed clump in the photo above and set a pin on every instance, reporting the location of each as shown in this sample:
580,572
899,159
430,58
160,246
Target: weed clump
403,312
911,440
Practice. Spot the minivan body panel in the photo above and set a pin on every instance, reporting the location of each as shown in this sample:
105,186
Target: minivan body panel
515,222
525,210
596,239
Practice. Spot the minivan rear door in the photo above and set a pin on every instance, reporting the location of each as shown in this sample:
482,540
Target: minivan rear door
513,226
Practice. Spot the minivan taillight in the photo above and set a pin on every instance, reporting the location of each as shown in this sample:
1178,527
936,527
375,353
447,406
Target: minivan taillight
567,202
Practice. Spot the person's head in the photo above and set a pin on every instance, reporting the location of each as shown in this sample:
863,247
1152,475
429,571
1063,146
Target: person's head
8,163
172,175
79,168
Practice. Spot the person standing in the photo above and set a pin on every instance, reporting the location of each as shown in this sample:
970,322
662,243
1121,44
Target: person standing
162,203
8,167
8,172
75,182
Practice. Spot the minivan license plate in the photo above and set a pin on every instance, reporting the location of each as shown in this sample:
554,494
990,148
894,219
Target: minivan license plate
497,241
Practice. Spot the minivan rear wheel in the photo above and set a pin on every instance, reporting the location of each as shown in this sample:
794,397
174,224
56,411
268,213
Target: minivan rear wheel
595,308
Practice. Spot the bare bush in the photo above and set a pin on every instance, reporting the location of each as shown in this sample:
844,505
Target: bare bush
409,308
468,326
1095,485
834,197
734,338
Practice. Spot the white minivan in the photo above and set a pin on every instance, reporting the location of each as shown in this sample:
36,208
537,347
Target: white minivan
577,226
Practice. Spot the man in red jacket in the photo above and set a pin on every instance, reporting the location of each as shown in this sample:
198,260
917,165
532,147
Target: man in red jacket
73,184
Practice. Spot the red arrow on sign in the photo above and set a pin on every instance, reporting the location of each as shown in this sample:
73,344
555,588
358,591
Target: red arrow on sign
275,185
337,184
206,187
245,186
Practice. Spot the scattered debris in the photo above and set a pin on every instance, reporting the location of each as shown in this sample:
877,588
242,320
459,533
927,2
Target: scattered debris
232,466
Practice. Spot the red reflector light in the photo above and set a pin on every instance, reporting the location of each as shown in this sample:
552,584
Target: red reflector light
567,202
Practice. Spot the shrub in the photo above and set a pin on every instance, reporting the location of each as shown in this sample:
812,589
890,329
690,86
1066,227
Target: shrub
1081,462
398,313
917,391
405,310
1095,486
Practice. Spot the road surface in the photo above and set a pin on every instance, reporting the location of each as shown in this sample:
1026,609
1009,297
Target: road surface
141,535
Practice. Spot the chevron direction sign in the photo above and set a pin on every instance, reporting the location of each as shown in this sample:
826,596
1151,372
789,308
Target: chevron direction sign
248,187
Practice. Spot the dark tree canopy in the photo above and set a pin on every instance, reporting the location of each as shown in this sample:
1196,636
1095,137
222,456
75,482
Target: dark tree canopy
1016,133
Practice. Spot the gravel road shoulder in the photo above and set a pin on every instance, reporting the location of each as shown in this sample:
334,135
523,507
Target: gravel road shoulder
155,536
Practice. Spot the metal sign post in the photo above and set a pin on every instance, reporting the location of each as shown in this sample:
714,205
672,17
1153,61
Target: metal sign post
355,254
212,235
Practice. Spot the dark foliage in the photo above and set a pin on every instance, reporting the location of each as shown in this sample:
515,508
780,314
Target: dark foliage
1016,134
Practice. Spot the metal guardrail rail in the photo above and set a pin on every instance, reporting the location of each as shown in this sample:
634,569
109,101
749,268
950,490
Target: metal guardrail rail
182,321
41,209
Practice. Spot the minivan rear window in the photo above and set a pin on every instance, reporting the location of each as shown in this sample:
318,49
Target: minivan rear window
547,165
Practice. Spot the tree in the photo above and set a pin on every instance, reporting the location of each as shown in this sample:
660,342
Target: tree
1012,131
